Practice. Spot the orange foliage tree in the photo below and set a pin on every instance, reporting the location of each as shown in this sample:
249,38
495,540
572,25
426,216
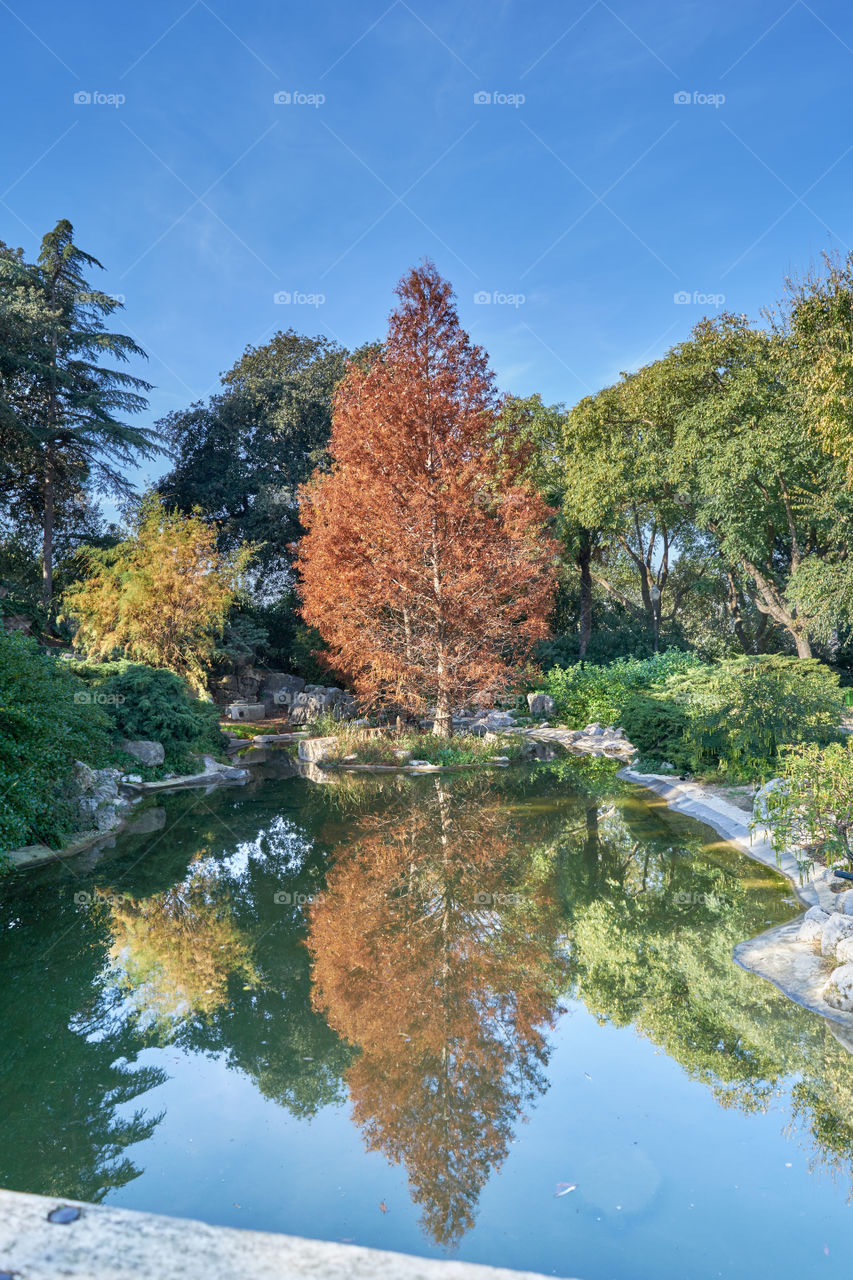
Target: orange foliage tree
437,952
425,566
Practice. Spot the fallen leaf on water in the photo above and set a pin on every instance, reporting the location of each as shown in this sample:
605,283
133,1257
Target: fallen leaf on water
563,1188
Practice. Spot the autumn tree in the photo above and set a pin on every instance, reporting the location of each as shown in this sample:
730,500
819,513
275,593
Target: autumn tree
437,952
425,568
159,597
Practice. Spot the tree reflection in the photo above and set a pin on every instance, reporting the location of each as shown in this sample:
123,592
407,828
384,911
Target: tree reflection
177,951
67,1054
436,951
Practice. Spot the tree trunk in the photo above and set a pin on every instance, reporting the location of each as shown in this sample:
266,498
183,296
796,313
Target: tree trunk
585,628
442,725
804,649
47,540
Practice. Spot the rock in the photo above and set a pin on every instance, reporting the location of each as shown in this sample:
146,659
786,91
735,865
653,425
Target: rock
844,902
811,929
246,711
85,777
541,704
148,753
839,989
838,926
224,771
314,749
844,951
760,807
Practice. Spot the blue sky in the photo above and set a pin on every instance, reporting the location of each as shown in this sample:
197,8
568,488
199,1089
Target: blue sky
581,197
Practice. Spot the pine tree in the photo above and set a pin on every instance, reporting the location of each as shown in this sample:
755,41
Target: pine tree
60,404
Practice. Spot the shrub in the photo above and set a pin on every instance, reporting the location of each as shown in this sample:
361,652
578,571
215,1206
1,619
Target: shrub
740,712
812,809
46,723
657,726
153,703
588,693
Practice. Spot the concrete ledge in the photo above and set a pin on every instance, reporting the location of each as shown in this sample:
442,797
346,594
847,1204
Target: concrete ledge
117,1244
795,968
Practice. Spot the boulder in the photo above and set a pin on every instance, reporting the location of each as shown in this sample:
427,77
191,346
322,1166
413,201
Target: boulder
541,704
844,902
839,989
838,926
150,753
811,929
844,951
225,772
760,808
314,749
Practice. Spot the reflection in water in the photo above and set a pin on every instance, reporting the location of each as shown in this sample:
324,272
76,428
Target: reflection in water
436,952
445,919
177,951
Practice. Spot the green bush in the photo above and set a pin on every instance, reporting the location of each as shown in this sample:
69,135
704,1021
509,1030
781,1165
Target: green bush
589,693
735,716
812,811
743,710
47,721
657,726
153,703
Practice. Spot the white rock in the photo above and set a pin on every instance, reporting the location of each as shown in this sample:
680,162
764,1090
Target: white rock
811,929
836,928
844,951
839,989
844,902
759,804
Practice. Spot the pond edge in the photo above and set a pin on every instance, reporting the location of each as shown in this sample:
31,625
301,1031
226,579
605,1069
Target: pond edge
793,967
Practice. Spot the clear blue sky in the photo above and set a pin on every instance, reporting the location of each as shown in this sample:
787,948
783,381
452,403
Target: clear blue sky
584,209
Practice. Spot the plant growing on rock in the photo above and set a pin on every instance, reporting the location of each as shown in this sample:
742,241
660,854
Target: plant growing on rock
425,567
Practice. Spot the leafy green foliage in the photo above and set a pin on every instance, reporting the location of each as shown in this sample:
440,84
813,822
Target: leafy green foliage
812,810
155,704
47,721
742,711
657,726
589,693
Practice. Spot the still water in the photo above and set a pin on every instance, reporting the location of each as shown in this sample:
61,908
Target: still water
413,1013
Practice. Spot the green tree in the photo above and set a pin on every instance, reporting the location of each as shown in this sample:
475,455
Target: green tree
160,597
65,409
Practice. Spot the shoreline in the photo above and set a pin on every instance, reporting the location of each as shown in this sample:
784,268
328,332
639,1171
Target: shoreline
793,967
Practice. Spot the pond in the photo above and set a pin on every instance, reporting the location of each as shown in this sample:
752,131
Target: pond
414,1013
